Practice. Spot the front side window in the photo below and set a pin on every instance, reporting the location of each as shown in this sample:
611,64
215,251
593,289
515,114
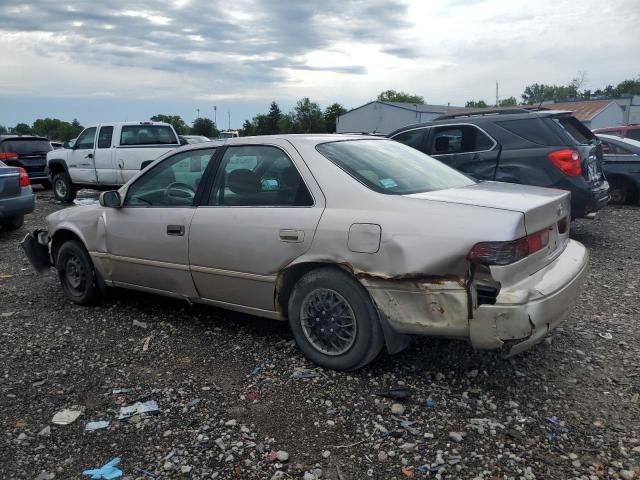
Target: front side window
147,135
104,137
172,183
459,139
391,167
86,139
258,176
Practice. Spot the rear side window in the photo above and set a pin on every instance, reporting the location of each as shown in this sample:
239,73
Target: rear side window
534,130
413,138
634,134
25,146
147,135
459,139
613,149
575,129
104,137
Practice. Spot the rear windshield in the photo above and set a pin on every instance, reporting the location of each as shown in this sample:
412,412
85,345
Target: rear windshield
391,167
575,129
25,146
633,133
147,135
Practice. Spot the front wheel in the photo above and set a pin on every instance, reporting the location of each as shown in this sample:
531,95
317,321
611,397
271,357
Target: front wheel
63,188
76,274
12,223
334,321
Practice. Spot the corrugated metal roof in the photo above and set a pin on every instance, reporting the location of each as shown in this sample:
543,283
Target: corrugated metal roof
583,111
423,107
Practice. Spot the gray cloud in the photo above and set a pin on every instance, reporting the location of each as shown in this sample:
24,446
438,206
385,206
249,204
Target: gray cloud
247,41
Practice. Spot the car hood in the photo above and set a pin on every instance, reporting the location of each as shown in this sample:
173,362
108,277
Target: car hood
541,207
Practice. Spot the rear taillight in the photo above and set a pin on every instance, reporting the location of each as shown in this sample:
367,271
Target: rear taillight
563,225
24,178
504,253
8,156
568,161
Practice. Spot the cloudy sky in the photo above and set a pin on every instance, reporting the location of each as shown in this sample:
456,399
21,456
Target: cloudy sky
113,60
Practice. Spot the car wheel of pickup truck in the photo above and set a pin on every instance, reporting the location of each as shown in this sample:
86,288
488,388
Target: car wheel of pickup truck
334,320
63,188
76,274
12,223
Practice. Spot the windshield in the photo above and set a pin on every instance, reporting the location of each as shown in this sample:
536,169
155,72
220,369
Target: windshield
392,168
25,146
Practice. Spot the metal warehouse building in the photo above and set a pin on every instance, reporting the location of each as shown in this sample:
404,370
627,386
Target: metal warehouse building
385,117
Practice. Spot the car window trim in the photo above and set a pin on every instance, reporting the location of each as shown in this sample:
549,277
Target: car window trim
495,142
95,136
424,143
98,147
198,194
205,201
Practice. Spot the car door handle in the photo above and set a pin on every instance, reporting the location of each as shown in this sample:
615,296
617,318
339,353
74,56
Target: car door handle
89,155
289,235
177,230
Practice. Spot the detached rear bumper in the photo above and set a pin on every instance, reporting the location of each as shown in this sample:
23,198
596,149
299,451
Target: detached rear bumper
524,313
36,247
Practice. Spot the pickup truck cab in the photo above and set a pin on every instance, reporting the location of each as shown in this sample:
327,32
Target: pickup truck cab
107,155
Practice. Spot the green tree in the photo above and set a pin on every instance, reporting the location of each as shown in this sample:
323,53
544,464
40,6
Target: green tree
330,115
393,96
274,115
247,129
308,117
22,129
508,102
3,129
176,121
476,104
204,127
56,129
287,123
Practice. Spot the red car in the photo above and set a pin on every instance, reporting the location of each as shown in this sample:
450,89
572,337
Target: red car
624,131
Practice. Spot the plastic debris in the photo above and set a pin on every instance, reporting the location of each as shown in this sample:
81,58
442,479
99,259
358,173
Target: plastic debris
121,390
401,393
145,345
138,408
137,323
66,416
407,425
255,371
106,472
429,403
606,336
99,425
555,427
408,471
273,456
252,395
304,373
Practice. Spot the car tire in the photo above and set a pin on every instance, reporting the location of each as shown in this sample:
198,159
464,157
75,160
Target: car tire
12,223
342,306
620,191
77,274
63,189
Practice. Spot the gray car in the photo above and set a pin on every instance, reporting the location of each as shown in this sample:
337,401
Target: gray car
16,196
358,242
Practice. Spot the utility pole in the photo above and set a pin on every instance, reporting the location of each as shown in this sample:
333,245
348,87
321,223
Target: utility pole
215,114
229,113
497,97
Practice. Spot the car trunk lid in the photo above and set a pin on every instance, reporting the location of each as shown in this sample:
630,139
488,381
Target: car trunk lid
9,181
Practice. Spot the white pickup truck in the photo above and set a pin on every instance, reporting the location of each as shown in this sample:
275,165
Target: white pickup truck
107,155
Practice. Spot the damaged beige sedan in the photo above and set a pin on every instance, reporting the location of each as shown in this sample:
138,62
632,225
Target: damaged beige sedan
358,242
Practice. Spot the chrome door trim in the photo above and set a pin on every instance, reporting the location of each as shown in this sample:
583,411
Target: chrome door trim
234,274
140,261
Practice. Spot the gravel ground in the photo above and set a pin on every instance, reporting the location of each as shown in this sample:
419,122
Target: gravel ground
230,405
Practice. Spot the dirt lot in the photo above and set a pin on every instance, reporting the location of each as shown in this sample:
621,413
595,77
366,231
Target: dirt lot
226,397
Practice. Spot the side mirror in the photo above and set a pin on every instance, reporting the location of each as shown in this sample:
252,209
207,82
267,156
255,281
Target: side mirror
145,164
111,199
183,141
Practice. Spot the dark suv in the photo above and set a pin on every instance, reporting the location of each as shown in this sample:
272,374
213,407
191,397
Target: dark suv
28,152
543,148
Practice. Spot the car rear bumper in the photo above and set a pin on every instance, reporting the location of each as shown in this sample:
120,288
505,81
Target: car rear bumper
18,205
522,315
526,312
585,201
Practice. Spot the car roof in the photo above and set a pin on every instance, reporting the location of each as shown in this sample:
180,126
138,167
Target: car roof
625,142
481,117
616,129
21,137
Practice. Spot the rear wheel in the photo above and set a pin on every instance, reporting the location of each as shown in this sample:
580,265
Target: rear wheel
76,274
12,223
63,188
334,320
621,191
